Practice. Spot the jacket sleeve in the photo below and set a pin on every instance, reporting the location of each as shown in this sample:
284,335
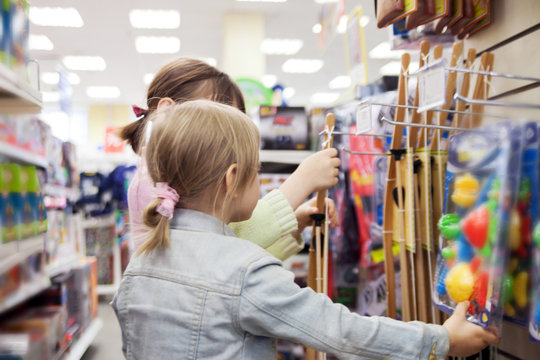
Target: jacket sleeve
271,304
270,226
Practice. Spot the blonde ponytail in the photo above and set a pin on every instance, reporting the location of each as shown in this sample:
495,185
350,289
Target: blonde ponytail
158,237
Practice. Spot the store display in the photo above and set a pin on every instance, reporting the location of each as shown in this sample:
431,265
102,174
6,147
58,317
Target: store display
283,128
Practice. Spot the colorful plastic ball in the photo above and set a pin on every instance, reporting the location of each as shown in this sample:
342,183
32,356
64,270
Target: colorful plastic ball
520,289
459,282
448,253
514,230
449,226
475,226
466,188
480,288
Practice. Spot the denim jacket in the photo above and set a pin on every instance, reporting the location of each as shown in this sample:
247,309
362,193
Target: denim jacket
212,295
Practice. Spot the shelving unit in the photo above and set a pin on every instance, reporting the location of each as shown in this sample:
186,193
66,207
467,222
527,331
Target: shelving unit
21,155
79,346
25,292
16,95
14,252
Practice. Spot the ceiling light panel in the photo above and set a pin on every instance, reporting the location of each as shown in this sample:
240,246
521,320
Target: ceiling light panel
394,68
302,66
281,46
40,42
316,29
157,44
269,80
85,63
384,51
103,92
53,78
340,82
55,16
154,19
147,78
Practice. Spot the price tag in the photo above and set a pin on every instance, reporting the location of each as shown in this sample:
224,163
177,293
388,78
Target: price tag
431,86
363,117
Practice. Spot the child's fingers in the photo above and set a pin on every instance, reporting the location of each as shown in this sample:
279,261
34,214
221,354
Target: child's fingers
491,338
461,309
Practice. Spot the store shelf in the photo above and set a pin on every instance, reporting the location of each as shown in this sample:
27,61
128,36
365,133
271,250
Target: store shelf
16,95
58,191
64,264
284,156
25,292
14,252
15,153
79,346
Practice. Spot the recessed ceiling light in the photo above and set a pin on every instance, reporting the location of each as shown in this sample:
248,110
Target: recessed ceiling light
288,92
50,96
317,28
147,78
154,19
342,24
157,44
55,16
384,51
53,78
270,1
394,68
340,82
85,63
103,92
281,46
324,98
364,21
269,80
40,42
302,66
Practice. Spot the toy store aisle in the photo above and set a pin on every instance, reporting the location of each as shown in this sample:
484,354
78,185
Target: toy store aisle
108,342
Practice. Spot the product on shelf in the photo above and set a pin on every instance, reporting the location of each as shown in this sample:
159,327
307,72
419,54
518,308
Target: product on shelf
7,129
15,207
534,318
19,29
283,127
481,181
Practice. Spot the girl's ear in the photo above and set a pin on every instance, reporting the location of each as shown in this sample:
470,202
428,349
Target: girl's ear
230,176
164,102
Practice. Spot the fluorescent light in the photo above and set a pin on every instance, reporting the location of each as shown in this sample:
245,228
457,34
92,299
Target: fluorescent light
342,24
340,82
50,96
40,42
324,98
103,92
281,46
147,78
154,19
84,63
384,51
269,80
302,66
157,44
317,28
364,21
270,1
288,92
52,78
55,16
325,1
394,68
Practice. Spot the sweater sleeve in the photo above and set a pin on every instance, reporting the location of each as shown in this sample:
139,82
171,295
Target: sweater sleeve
272,305
270,226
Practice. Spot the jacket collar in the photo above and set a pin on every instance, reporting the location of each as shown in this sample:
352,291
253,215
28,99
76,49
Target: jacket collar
185,219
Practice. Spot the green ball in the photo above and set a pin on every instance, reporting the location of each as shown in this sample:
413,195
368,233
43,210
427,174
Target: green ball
449,226
448,253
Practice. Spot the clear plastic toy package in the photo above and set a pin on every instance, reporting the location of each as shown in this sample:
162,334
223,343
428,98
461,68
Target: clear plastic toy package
480,186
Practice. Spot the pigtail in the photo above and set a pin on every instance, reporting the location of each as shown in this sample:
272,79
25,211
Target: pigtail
133,133
158,237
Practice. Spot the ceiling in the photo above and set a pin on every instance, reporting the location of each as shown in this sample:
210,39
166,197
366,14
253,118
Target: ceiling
108,33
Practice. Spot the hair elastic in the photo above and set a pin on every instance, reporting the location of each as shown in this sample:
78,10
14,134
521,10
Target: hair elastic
169,198
139,111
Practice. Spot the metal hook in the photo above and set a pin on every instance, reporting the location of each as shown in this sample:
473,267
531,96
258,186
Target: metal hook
355,134
491,73
495,103
447,128
364,153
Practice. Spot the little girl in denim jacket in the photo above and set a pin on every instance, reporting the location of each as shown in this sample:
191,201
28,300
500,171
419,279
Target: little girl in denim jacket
196,291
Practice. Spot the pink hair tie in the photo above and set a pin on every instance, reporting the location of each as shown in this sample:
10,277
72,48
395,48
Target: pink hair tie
169,198
138,111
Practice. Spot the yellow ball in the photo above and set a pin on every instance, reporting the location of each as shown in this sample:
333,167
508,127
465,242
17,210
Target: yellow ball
459,282
466,188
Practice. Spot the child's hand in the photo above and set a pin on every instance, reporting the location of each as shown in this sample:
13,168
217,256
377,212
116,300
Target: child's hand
310,207
317,172
466,338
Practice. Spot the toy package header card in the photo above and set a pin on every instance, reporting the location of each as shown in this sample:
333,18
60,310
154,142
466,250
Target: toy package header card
284,128
481,183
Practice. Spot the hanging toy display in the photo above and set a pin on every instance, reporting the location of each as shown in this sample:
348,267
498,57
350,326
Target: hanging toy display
481,178
534,320
517,280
